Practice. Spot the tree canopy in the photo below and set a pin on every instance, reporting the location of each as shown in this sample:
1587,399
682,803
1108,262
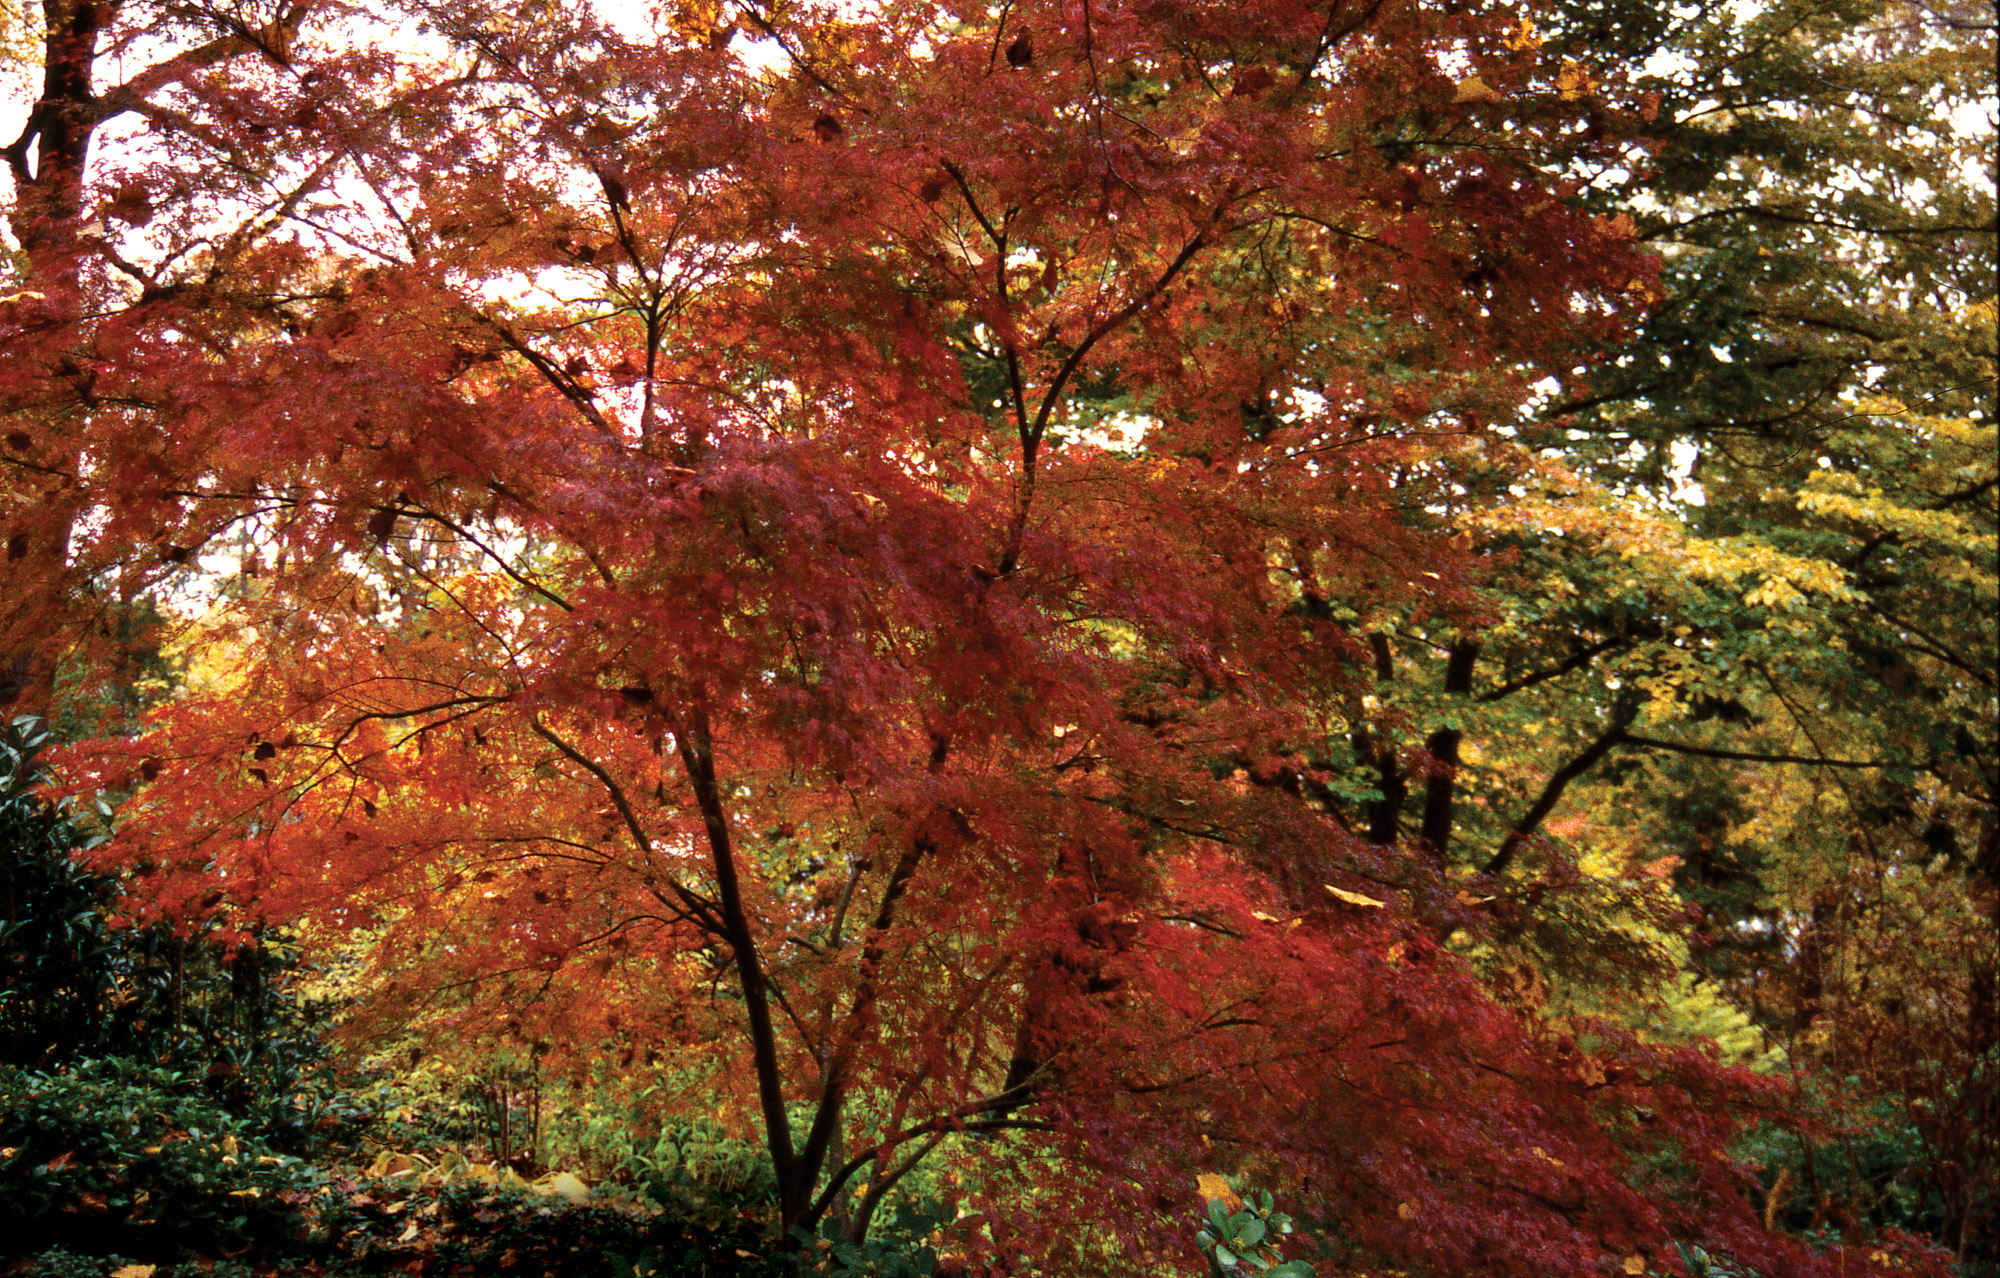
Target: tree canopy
1087,595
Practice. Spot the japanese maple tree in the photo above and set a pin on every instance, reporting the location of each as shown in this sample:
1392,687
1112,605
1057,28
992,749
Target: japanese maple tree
821,548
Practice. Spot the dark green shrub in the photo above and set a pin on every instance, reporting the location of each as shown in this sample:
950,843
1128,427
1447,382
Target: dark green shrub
63,1263
1884,1167
75,984
472,1228
116,1156
59,1262
55,979
700,1175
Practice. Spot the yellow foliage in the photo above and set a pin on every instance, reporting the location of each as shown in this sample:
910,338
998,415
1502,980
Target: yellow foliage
215,654
1574,82
1474,89
1214,1188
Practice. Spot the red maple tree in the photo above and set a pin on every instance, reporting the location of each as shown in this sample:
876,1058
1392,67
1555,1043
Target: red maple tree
821,548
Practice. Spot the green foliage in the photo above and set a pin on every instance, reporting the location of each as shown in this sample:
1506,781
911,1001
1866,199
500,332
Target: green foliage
901,1248
1878,1170
474,1227
689,1257
54,968
694,1171
446,1183
1703,1265
1247,1240
118,1155
505,1112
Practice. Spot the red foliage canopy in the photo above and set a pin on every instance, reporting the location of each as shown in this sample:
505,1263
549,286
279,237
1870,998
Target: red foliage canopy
823,548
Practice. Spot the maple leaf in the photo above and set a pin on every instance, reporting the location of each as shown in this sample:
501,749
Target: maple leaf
1474,89
1353,898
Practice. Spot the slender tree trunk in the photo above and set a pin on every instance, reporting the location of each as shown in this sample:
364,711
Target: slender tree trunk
1441,787
1385,814
697,751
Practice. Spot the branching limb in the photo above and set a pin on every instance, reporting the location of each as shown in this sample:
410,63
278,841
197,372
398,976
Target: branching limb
1749,756
1575,661
702,910
1552,793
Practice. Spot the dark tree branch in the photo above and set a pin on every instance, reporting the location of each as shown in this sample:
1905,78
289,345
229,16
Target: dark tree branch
1552,793
1575,661
1709,752
697,750
703,911
833,1088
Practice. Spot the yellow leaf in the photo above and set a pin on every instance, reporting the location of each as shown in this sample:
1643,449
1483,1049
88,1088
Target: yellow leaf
1621,227
1635,1264
1474,89
1524,37
563,1185
133,1271
696,19
1574,82
401,1165
1214,1188
1404,1211
1355,898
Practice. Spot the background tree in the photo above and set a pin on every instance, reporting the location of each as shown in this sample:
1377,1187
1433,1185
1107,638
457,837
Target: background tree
1747,616
231,123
